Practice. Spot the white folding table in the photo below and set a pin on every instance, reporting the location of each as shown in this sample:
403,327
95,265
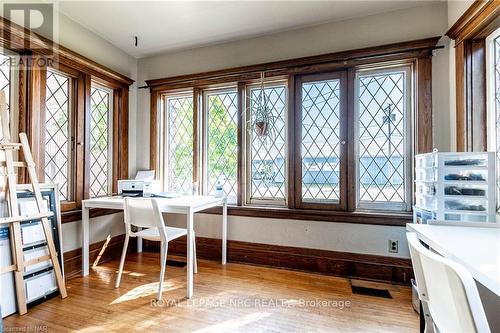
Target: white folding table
187,205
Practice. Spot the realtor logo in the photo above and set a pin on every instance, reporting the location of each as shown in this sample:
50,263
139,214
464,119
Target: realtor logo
38,18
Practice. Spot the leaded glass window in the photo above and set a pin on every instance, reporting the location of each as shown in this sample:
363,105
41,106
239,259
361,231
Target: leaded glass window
100,143
321,144
222,142
179,152
267,143
5,77
57,133
383,153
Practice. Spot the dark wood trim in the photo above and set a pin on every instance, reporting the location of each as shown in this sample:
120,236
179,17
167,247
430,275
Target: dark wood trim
360,216
299,80
351,137
424,140
86,135
123,139
240,197
23,109
345,264
76,215
35,112
284,67
463,135
116,139
477,21
418,59
155,100
196,137
469,33
470,61
37,54
291,139
16,38
112,250
80,133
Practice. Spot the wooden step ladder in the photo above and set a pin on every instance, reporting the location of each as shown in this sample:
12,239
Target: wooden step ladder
13,219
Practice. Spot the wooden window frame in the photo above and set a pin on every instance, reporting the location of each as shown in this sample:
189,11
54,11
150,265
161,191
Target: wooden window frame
409,144
469,33
417,54
31,112
111,134
163,146
300,203
77,164
246,163
203,132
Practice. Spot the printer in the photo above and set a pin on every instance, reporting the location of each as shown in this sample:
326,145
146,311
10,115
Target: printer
143,185
137,188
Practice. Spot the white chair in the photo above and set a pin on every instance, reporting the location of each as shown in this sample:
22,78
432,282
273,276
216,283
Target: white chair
144,213
451,292
421,286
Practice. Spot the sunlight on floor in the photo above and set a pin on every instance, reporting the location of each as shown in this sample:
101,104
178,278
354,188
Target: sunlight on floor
234,324
143,291
103,248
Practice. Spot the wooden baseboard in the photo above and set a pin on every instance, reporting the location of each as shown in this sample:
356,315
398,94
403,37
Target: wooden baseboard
354,265
112,250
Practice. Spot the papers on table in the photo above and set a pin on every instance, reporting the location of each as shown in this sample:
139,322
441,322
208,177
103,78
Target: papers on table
145,175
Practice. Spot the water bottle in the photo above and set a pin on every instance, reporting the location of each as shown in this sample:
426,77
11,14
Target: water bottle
219,192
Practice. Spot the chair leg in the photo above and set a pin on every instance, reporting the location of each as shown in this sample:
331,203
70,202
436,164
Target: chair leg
122,262
195,268
163,258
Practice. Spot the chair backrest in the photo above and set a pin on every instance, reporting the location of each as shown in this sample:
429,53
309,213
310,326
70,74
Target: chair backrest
417,268
144,213
452,294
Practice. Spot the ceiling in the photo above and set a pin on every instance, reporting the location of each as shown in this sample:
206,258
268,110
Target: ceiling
163,26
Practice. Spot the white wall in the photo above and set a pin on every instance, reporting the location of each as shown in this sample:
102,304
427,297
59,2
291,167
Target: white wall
398,26
77,38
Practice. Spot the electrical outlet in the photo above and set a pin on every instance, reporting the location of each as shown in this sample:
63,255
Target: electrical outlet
393,246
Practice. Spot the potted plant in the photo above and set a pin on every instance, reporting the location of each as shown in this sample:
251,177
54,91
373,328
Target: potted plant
261,114
262,118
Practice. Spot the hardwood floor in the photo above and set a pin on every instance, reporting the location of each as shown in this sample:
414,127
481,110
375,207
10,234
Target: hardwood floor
232,298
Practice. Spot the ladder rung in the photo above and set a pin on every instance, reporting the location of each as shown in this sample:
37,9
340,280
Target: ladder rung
37,260
10,145
16,164
7,269
36,216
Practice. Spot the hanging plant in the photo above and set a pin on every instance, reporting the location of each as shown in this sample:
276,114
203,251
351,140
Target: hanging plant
261,114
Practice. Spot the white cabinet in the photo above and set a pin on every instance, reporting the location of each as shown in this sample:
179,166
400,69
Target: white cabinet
455,187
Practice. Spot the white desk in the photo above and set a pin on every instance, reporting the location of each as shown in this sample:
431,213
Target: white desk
181,205
476,248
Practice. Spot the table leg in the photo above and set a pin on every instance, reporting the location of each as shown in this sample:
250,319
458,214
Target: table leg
224,232
139,241
85,241
190,217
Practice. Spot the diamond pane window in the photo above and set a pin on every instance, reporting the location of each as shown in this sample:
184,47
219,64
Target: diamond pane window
321,141
267,149
383,155
5,77
57,133
179,152
222,144
100,125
